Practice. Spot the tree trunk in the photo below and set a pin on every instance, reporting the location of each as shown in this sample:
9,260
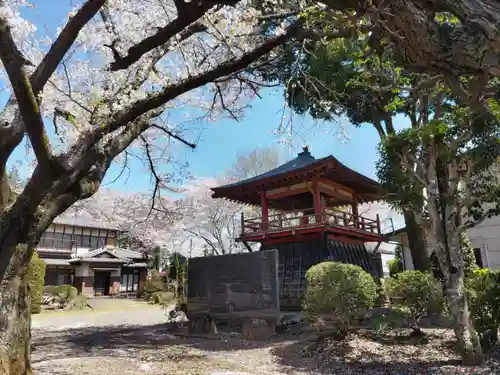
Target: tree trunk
15,318
416,241
468,341
467,337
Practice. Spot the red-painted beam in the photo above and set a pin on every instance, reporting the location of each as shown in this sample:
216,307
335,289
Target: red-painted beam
294,238
297,231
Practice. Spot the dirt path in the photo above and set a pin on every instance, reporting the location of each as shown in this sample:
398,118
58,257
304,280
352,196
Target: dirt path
138,342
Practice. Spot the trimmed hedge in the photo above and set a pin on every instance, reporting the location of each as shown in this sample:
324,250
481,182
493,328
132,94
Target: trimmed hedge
36,278
338,294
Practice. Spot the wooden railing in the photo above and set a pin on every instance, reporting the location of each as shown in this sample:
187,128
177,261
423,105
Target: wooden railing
307,218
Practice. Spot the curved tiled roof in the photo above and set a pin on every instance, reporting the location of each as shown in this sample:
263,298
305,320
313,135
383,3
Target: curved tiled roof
304,159
118,255
303,167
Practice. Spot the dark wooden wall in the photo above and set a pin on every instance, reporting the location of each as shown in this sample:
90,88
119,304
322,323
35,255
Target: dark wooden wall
295,258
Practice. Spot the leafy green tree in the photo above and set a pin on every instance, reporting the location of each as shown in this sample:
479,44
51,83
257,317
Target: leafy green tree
415,291
452,155
470,265
483,292
447,151
342,78
177,272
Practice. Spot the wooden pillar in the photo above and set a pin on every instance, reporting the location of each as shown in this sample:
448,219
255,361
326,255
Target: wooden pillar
317,202
323,211
304,220
265,210
355,215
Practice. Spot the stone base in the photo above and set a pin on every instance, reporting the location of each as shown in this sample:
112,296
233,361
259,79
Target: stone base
257,330
202,325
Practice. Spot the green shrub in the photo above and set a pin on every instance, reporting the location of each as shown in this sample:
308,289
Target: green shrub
483,293
36,277
152,285
395,267
162,298
416,292
470,265
338,294
389,319
79,302
63,293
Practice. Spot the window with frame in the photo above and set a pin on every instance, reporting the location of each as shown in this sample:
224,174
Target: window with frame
129,281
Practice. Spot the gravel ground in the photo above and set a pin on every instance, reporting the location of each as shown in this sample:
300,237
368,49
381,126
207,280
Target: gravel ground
142,345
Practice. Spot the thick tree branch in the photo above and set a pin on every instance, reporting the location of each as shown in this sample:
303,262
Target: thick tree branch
156,101
380,130
12,125
14,64
182,25
225,69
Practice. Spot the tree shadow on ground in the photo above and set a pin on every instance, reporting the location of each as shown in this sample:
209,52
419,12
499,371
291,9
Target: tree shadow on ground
126,340
287,350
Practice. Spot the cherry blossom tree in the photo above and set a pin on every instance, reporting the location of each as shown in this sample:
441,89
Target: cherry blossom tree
110,78
131,213
214,224
109,82
193,225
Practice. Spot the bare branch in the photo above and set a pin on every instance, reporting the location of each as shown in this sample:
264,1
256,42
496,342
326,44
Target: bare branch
63,43
185,24
175,136
125,167
208,242
154,101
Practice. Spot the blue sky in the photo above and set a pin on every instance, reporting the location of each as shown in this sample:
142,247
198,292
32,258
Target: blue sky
222,142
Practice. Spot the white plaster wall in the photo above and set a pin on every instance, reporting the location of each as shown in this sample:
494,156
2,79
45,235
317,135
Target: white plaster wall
386,258
486,236
84,270
386,250
116,272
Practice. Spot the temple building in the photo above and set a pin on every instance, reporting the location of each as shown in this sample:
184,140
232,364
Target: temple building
309,213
